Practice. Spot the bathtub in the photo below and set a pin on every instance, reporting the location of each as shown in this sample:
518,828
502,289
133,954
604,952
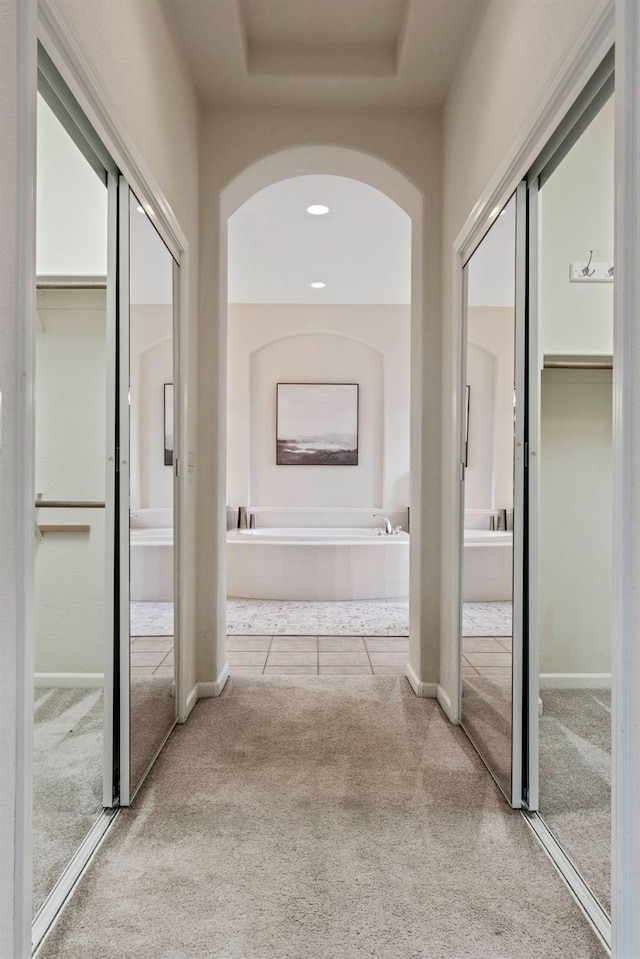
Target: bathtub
317,564
487,566
151,564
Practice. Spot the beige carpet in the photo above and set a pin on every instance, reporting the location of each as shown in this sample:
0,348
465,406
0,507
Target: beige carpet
575,780
320,818
67,779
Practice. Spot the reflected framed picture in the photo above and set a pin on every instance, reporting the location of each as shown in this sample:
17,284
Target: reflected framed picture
168,424
317,424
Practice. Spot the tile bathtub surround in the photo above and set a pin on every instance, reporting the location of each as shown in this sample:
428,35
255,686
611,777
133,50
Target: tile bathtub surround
318,656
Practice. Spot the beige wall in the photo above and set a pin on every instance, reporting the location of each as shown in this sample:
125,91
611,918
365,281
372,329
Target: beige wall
576,216
576,509
409,144
498,84
132,49
71,417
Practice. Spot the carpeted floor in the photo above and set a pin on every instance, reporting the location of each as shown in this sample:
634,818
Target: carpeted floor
320,818
575,779
153,713
67,779
487,716
264,617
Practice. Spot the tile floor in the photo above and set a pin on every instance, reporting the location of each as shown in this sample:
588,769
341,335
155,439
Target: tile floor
486,655
317,655
152,656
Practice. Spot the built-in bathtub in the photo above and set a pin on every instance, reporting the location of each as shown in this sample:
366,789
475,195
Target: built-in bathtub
151,564
317,564
488,566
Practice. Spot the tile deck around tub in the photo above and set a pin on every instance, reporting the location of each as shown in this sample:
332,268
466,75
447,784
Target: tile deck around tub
317,655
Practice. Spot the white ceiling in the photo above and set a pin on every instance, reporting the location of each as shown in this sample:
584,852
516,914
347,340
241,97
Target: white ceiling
341,53
361,249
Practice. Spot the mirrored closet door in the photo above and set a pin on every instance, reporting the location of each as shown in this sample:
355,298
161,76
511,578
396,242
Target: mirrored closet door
147,487
492,505
74,518
104,683
571,504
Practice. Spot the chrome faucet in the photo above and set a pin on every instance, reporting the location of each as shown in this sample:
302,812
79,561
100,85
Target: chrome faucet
388,528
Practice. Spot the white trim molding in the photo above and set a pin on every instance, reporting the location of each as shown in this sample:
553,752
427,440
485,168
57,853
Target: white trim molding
625,875
208,690
424,690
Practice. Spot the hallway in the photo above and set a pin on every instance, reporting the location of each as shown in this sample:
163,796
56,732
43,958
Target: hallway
320,817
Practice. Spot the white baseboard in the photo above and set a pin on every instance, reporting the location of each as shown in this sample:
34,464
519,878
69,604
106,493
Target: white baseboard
575,680
207,690
424,690
69,680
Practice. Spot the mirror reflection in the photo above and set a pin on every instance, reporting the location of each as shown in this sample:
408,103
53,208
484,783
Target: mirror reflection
151,365
576,214
487,582
70,416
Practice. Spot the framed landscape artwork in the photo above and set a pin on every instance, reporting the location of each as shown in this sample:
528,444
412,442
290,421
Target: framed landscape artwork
317,424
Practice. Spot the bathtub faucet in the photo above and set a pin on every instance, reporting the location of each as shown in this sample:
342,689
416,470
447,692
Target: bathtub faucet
388,528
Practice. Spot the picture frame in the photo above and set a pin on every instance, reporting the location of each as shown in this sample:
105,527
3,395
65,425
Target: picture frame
317,424
168,424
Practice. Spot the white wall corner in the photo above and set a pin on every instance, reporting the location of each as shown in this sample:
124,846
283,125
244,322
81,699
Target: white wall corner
208,690
424,690
192,699
444,701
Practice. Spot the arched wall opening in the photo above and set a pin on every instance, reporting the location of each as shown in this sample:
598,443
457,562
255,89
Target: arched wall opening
424,586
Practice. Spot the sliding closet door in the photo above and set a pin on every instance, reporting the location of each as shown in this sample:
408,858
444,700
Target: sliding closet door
493,454
147,489
571,202
74,518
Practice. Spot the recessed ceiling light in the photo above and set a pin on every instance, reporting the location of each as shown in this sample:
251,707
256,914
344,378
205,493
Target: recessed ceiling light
317,286
140,208
317,209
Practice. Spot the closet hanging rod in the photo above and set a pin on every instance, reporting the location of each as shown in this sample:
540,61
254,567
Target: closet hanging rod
68,504
71,283
595,362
